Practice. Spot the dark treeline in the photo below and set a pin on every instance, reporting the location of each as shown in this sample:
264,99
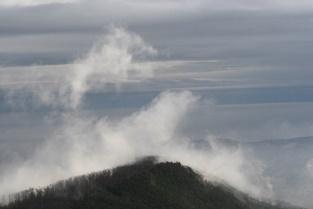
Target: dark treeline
143,185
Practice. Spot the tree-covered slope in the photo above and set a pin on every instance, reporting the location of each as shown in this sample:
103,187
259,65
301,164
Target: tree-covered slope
144,185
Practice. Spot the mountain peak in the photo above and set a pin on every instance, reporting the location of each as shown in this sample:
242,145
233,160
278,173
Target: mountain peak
145,184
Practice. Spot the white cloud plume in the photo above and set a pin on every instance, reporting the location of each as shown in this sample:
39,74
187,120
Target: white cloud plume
85,144
115,58
110,61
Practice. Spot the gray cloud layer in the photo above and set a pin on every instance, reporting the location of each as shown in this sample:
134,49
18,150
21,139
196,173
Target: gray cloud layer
273,42
23,3
240,45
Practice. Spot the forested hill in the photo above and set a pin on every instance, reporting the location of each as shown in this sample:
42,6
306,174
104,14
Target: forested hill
143,185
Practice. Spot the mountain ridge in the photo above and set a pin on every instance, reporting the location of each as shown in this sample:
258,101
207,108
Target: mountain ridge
146,184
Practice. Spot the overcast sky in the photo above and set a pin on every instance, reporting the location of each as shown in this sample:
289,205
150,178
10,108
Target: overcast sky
267,39
228,44
65,62
250,61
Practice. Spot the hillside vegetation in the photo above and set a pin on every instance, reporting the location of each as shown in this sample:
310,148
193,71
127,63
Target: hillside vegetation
143,185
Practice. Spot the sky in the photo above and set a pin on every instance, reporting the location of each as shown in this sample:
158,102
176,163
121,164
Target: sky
241,70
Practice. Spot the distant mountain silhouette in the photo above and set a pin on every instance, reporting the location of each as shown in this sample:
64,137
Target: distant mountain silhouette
143,185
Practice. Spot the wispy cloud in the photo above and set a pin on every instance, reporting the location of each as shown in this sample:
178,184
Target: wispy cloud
112,60
22,3
175,4
309,167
